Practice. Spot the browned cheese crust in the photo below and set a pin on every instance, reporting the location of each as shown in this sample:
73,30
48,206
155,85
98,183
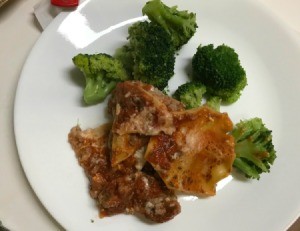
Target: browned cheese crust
140,108
197,155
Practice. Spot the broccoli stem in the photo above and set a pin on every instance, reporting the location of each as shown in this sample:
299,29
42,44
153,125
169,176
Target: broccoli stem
252,152
214,102
96,91
245,168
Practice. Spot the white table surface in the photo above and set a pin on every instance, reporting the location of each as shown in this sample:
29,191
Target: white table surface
19,207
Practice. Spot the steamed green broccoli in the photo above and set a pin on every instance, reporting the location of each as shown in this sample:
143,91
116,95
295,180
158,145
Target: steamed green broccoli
219,69
214,102
190,94
102,72
254,147
181,25
124,54
153,54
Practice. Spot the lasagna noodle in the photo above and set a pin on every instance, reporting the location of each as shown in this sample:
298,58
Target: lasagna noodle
197,155
140,108
126,145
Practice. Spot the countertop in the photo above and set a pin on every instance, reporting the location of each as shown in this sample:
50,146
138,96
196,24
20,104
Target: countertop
20,209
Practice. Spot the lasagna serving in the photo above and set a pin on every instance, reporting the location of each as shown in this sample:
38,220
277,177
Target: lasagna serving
152,148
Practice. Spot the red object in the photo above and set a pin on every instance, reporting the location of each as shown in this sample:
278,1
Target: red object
65,3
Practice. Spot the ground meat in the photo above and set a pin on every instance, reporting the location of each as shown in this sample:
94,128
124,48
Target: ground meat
154,200
123,188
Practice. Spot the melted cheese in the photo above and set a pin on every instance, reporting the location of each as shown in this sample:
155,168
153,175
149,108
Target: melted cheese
124,146
197,155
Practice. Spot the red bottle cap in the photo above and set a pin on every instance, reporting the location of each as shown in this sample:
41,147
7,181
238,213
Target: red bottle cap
65,3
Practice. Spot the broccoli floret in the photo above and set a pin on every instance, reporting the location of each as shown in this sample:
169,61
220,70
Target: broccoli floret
102,72
153,54
181,25
254,147
124,54
219,69
190,94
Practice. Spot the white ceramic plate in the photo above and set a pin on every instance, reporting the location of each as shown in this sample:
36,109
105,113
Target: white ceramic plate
49,102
